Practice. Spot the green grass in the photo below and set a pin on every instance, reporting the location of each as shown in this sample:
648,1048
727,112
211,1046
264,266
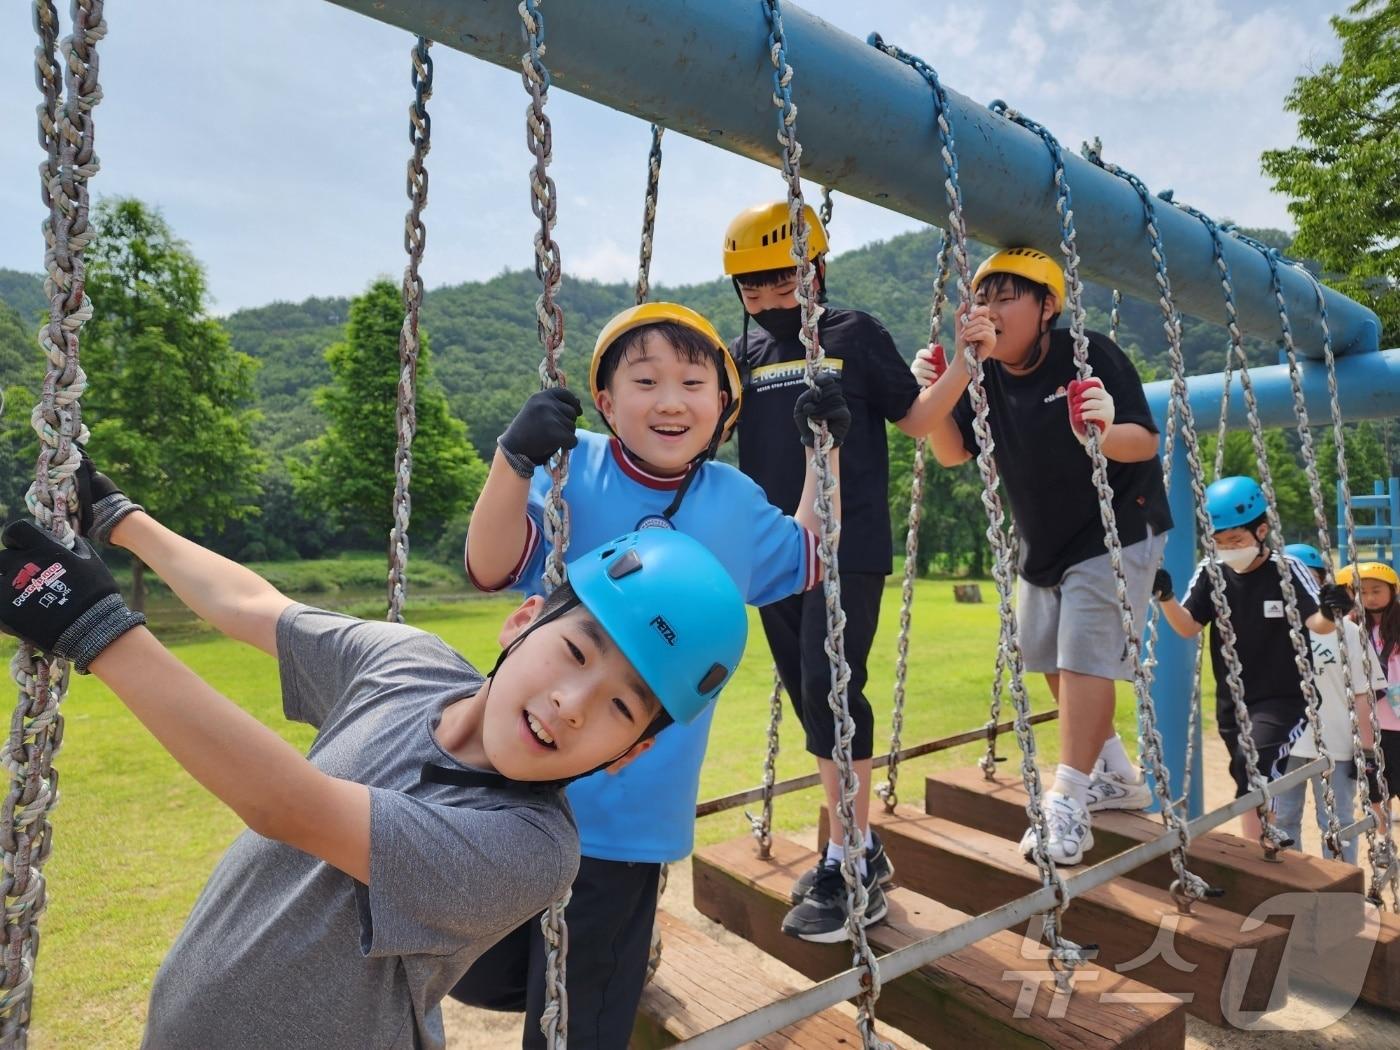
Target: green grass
135,837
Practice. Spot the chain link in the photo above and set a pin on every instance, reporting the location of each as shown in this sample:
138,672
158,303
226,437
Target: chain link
826,207
1113,313
761,826
643,290
70,90
415,236
829,532
554,1019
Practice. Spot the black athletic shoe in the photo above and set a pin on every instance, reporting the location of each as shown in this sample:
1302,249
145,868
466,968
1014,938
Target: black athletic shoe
821,915
876,860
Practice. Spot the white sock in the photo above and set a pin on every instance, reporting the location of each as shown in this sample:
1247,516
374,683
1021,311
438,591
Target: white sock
1071,783
1116,759
836,853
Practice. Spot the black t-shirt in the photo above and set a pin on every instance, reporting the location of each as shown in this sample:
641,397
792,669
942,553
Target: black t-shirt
878,387
1262,639
1047,473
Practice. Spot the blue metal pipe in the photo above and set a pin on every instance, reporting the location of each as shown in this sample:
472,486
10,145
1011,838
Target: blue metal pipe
701,68
1368,387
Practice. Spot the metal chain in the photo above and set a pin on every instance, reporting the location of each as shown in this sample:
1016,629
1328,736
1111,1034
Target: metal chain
70,90
654,957
761,826
1380,854
549,317
829,532
1300,408
1187,887
1063,954
649,215
415,237
1271,839
554,1019
889,790
826,207
1113,313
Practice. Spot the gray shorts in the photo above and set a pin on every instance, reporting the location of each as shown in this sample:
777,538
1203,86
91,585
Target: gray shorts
1077,626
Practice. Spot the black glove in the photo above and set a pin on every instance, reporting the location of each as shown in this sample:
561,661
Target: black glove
65,602
1334,601
1162,586
1370,770
100,503
546,423
823,403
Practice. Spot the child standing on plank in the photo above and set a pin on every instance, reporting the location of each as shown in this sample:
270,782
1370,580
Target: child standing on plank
428,818
1039,412
1334,719
1377,583
1273,692
667,388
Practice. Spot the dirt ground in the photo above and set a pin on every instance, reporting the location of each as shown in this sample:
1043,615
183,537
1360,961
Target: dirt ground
1300,1025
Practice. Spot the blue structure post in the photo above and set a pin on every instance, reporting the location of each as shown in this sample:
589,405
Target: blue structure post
1384,531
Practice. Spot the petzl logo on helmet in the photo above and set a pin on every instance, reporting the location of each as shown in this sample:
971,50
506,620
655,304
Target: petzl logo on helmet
664,629
24,575
654,521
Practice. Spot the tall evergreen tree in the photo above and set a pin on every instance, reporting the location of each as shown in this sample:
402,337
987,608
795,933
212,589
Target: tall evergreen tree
1341,176
350,472
169,401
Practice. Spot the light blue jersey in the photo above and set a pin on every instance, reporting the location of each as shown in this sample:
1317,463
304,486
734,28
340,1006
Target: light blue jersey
646,812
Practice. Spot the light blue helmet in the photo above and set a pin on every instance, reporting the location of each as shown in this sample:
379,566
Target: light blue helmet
1307,554
1233,502
673,611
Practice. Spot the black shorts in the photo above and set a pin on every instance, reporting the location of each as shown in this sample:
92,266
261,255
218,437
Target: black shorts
1276,725
610,917
796,631
1390,751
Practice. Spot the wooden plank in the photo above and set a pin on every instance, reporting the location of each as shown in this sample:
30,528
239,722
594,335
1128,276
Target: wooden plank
970,997
701,984
1381,985
974,870
1230,862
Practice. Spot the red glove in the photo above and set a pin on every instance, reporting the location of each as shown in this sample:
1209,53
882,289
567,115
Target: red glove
1089,403
929,364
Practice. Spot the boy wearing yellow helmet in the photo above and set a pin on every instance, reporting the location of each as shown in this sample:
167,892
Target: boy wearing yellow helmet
665,385
1039,412
758,258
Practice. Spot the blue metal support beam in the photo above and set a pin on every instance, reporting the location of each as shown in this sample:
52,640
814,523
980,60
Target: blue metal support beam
1369,388
701,68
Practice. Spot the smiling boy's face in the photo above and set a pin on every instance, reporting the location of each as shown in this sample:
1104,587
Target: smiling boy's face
564,702
663,407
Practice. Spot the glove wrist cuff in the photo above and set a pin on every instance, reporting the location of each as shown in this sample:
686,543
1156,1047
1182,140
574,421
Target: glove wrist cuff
107,513
97,628
523,466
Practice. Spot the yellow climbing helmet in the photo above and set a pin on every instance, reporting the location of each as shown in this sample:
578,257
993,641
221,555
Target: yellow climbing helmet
760,238
657,313
1377,570
1029,263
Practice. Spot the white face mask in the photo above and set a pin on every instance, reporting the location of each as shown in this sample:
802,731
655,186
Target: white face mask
1239,558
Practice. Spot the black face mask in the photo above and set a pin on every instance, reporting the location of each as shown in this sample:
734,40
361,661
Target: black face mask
783,323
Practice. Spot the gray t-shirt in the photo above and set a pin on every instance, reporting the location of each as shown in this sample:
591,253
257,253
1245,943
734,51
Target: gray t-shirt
283,950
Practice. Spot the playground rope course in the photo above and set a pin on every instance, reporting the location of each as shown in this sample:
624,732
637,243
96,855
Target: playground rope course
67,75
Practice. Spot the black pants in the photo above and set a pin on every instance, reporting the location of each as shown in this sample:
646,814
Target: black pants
796,630
610,917
1276,725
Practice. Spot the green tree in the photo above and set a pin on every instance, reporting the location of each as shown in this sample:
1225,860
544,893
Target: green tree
21,373
349,473
169,401
1341,176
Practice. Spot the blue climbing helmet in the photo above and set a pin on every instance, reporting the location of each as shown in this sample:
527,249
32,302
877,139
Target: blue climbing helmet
1307,554
1233,502
672,610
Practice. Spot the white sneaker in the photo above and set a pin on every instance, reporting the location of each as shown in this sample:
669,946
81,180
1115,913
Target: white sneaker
1111,791
1070,835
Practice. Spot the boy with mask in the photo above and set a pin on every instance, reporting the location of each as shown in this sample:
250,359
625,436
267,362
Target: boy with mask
1273,692
878,388
427,818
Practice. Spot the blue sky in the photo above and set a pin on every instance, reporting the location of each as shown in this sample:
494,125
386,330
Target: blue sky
272,133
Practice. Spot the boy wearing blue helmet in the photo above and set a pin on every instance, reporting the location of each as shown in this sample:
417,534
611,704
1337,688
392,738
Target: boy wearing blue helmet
1273,691
428,818
1335,722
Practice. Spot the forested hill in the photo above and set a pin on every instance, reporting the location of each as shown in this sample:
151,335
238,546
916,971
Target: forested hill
486,351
